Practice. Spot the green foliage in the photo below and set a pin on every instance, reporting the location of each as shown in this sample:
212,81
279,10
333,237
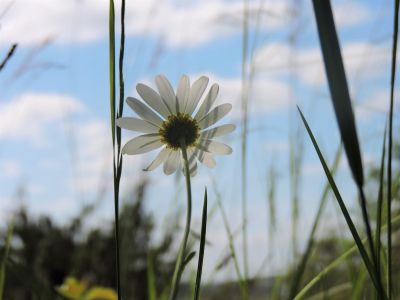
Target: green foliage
45,253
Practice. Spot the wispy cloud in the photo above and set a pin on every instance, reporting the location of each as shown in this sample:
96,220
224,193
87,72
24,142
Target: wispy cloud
29,116
177,23
363,61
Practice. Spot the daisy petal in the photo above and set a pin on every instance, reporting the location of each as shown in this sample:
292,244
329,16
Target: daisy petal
135,124
142,144
172,163
218,131
196,92
208,102
166,92
215,115
206,159
182,92
160,158
143,111
214,147
153,99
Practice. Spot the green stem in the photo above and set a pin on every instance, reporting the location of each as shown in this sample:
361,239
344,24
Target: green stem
182,249
389,169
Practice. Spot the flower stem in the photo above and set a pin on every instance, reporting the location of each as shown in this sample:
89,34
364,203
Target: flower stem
182,249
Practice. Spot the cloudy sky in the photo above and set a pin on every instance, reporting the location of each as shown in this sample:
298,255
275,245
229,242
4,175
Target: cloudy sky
55,152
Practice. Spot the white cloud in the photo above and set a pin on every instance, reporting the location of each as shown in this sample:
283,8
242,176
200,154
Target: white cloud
359,14
377,104
267,94
86,21
177,23
362,61
94,158
28,116
10,169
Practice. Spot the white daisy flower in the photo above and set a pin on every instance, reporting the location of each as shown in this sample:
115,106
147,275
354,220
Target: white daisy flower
169,119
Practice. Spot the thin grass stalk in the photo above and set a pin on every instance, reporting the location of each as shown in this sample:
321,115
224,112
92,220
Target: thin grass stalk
374,275
334,264
390,146
151,282
116,160
379,205
271,204
302,265
182,249
368,229
331,292
294,196
242,283
357,291
244,136
201,250
10,53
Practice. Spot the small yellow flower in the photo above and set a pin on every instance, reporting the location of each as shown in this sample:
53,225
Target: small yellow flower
100,293
72,288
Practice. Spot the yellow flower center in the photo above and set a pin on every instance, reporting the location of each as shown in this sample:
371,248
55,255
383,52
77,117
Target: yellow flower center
179,127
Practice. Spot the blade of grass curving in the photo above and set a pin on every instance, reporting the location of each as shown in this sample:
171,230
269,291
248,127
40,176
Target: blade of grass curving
341,102
338,86
379,206
390,146
334,264
302,265
202,246
7,246
367,262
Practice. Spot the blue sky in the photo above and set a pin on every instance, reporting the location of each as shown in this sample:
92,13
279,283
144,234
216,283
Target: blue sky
54,110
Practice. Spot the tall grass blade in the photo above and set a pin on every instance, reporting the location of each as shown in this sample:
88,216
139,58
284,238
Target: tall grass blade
302,265
113,117
7,246
367,262
338,86
390,146
342,104
202,246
